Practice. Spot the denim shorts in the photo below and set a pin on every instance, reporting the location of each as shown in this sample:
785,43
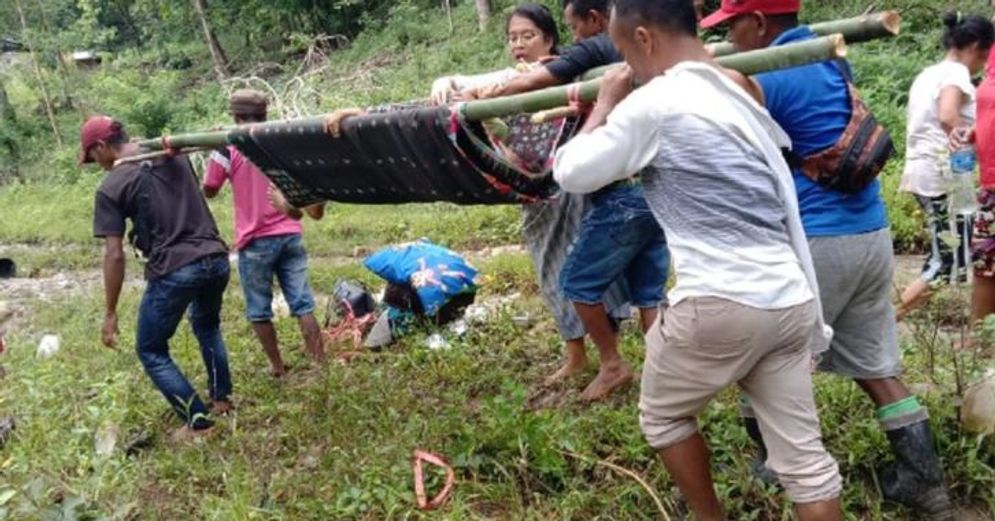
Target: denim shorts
619,237
280,255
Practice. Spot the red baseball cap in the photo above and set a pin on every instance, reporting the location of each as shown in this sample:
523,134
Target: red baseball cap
733,8
95,130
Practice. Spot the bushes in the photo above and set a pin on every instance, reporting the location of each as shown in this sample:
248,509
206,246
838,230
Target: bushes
167,85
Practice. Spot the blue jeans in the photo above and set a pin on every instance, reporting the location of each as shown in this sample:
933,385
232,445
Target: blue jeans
619,237
199,286
284,256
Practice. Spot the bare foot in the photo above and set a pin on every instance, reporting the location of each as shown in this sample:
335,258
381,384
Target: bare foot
608,379
570,368
185,435
575,361
319,356
222,407
344,357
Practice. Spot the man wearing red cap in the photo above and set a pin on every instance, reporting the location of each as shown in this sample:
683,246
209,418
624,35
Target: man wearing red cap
851,246
734,8
186,267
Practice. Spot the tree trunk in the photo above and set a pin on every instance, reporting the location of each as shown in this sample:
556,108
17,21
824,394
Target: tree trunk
39,75
483,13
7,114
448,7
60,60
217,53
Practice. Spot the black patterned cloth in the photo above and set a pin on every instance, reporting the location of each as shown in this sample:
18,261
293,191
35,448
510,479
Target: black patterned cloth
406,154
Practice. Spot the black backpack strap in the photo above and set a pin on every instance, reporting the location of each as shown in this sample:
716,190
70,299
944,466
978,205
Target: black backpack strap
844,67
791,157
141,230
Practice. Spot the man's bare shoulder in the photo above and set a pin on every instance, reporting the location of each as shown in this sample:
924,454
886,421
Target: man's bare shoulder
746,83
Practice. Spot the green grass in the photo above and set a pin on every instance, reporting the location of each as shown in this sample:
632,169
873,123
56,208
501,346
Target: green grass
335,443
59,218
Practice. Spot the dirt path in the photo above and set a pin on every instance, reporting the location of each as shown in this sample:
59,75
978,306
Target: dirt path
907,268
23,293
26,292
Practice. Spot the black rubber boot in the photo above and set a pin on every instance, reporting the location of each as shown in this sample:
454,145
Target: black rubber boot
915,479
758,467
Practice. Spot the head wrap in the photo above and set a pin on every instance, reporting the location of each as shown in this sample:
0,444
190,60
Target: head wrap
247,102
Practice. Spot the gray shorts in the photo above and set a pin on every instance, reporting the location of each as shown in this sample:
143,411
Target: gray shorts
855,274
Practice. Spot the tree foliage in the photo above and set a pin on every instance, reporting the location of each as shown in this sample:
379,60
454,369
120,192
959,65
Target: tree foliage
316,55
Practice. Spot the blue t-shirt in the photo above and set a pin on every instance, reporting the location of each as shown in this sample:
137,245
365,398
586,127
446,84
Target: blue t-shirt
812,104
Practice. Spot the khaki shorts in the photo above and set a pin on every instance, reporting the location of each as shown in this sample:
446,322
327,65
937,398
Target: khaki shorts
707,344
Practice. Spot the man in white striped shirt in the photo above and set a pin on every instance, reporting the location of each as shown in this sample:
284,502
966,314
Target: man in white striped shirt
743,310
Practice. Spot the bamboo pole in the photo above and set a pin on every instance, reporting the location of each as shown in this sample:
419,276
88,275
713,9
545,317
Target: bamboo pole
763,60
856,30
215,139
803,53
772,58
154,155
545,116
531,102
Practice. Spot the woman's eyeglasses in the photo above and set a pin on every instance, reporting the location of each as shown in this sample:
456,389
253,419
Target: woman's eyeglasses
525,37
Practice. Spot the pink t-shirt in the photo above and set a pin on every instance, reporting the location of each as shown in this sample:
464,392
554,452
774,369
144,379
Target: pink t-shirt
985,127
255,217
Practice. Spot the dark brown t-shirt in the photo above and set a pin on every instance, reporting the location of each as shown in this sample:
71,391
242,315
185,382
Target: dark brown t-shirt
182,227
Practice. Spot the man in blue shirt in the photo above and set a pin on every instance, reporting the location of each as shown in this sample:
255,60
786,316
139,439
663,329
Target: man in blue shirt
851,248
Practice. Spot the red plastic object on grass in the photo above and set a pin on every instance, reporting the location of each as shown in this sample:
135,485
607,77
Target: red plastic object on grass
423,502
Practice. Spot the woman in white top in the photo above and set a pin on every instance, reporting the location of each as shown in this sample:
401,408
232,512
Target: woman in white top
941,104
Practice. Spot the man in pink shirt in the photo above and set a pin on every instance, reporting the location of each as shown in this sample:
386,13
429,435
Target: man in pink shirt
268,239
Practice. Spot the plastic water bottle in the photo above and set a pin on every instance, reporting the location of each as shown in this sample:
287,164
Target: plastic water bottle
962,193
